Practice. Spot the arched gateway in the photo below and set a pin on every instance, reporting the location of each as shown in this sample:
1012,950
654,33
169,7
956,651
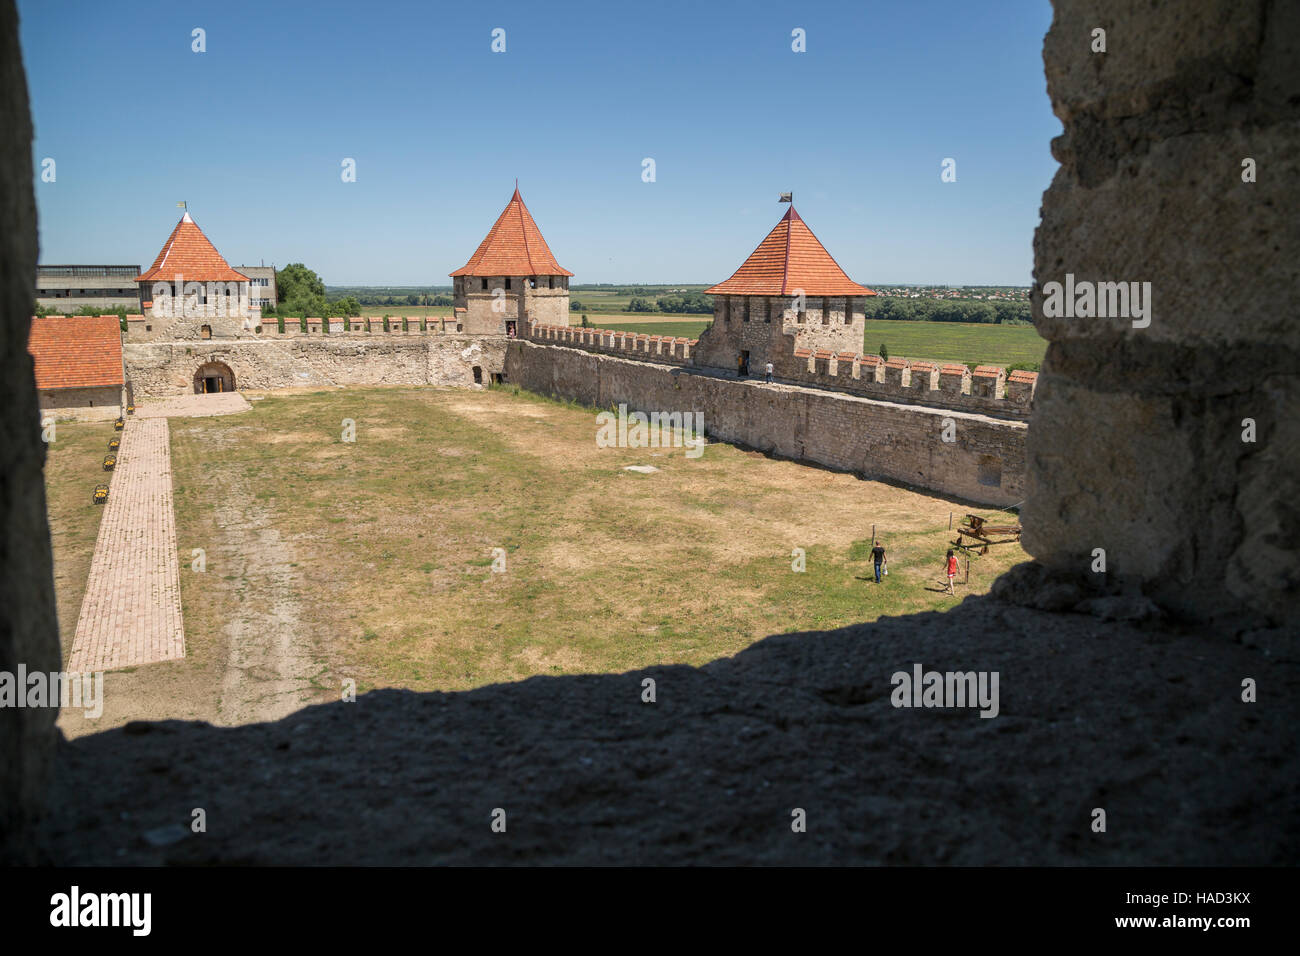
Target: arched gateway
214,377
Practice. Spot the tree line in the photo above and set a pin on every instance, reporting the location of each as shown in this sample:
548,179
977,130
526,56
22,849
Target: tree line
948,310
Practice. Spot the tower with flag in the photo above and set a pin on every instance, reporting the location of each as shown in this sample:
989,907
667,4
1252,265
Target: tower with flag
790,293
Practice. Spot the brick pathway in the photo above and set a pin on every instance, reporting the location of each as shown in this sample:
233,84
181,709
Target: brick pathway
132,610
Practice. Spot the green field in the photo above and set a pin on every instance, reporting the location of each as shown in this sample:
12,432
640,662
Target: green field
971,344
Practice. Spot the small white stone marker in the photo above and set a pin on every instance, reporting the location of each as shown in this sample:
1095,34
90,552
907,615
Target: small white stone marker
641,469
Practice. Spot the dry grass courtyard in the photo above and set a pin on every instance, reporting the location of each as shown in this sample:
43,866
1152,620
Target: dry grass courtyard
372,560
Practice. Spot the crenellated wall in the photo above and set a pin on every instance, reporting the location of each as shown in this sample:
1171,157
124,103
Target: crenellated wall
984,461
987,389
769,327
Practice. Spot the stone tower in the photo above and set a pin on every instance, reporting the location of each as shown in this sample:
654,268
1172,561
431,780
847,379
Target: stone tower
788,294
512,278
190,291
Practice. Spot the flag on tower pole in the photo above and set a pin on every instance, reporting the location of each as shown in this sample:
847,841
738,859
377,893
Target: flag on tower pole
787,197
183,205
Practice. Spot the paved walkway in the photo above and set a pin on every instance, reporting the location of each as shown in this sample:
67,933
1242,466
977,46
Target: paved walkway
131,613
192,406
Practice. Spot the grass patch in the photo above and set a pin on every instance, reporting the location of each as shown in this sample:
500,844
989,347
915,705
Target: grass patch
969,343
73,467
606,570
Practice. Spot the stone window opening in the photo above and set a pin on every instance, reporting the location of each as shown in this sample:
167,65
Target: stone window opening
550,282
478,375
990,471
507,282
205,332
532,282
485,285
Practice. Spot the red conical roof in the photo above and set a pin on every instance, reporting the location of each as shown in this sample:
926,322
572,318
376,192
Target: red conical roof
188,252
790,258
513,247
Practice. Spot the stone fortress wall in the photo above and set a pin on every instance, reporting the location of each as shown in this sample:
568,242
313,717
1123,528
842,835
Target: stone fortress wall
889,440
844,410
157,369
987,389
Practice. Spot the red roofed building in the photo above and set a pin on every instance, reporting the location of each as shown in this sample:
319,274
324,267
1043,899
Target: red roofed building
78,365
191,282
511,279
789,293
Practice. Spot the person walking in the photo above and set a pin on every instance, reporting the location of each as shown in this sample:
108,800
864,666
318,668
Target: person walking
952,573
878,558
768,371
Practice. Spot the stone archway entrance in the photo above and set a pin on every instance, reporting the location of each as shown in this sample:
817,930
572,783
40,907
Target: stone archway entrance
213,377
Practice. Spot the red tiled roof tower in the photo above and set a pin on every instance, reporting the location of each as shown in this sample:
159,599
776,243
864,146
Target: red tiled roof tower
79,351
188,252
513,247
790,258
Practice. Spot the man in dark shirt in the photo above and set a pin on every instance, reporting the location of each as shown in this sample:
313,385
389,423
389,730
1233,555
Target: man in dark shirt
878,557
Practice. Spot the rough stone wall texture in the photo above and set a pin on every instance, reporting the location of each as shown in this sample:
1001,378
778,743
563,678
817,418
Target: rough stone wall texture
884,440
29,632
521,303
1136,440
769,329
227,315
545,304
844,371
167,368
82,404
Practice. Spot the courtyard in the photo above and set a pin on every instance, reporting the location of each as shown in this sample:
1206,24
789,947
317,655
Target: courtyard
472,537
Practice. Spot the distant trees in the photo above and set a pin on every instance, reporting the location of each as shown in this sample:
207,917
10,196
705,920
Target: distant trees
402,297
302,293
946,310
694,303
347,306
300,290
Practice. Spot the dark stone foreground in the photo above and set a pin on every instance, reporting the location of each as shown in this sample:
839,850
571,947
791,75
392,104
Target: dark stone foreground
1145,721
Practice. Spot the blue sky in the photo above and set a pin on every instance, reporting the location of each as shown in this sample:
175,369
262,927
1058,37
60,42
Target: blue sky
253,132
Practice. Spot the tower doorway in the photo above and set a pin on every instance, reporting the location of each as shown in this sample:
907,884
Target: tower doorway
213,377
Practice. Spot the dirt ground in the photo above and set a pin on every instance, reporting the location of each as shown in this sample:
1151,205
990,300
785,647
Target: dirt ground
370,562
